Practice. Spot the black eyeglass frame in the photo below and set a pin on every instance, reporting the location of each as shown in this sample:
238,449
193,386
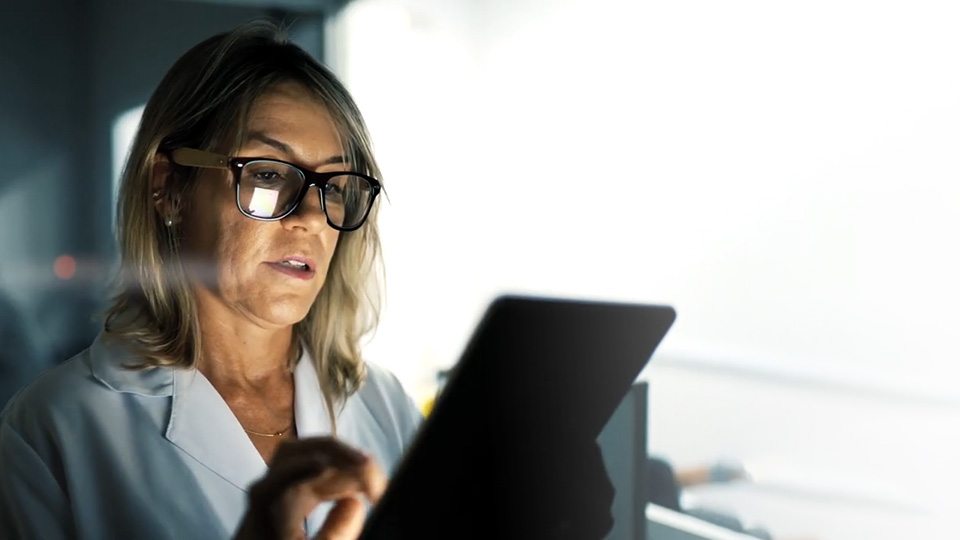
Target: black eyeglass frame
190,157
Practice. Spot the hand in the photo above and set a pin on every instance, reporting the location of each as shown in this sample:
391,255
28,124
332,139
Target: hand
303,474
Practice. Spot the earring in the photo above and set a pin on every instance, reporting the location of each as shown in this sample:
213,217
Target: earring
156,194
169,222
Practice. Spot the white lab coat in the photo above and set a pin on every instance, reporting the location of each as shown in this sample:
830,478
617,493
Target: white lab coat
91,450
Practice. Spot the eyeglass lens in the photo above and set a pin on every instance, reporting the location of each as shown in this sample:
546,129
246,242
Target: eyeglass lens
269,189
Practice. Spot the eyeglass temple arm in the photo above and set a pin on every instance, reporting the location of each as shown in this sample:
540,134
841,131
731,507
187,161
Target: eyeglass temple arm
190,157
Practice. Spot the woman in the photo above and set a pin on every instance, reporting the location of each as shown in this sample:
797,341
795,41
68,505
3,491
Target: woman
249,249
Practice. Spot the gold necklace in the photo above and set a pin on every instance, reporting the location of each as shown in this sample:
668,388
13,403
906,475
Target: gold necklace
277,434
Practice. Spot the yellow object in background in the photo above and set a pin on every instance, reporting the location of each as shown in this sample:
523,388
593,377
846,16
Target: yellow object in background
428,406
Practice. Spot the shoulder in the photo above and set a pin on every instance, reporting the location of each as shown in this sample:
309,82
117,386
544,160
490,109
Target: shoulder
385,396
50,404
89,387
383,380
54,388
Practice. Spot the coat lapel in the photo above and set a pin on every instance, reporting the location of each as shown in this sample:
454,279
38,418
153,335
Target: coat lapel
313,420
310,409
203,426
201,423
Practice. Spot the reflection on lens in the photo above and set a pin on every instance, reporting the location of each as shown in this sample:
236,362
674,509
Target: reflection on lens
268,188
263,203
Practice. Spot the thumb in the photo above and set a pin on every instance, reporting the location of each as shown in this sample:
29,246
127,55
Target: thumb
344,522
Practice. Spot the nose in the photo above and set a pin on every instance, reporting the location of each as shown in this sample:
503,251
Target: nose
309,214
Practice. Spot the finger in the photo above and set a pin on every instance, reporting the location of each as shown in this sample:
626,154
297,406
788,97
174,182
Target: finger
288,473
284,498
293,488
333,451
339,456
364,478
344,522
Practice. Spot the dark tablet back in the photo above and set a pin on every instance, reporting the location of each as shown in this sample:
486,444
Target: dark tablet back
509,450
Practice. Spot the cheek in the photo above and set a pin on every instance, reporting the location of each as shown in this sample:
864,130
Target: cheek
237,251
225,244
330,239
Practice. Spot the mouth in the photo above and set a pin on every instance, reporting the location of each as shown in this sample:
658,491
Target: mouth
298,267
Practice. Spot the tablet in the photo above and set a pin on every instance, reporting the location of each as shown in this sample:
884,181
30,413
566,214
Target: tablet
509,450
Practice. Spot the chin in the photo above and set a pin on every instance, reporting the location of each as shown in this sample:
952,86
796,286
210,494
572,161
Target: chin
286,313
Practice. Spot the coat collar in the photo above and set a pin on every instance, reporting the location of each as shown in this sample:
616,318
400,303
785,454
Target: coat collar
107,361
200,421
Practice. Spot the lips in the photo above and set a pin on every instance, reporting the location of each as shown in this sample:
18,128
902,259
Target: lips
295,266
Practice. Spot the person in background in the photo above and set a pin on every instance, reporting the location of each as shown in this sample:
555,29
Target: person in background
665,483
225,395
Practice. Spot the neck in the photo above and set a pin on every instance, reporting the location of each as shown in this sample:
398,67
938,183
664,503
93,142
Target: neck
237,352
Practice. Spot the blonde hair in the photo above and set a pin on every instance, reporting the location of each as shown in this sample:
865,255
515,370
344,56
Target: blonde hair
203,102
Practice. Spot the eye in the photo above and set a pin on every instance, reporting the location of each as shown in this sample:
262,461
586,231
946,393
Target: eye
268,176
333,189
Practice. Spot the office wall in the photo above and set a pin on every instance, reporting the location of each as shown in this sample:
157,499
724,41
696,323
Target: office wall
42,124
780,174
42,118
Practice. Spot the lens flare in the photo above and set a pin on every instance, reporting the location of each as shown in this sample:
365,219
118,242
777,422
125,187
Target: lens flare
65,267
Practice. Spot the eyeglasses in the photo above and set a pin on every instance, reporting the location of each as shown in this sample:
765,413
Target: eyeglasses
270,190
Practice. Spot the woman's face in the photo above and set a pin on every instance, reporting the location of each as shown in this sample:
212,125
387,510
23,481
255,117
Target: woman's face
253,268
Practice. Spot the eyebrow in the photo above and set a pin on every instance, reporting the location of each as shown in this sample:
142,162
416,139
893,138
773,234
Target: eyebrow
285,148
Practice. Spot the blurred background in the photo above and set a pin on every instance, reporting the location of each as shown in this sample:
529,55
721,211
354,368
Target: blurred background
785,174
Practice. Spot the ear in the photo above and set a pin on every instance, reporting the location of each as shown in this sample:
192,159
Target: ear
159,183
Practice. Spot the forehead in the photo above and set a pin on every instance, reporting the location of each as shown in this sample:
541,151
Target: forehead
289,113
